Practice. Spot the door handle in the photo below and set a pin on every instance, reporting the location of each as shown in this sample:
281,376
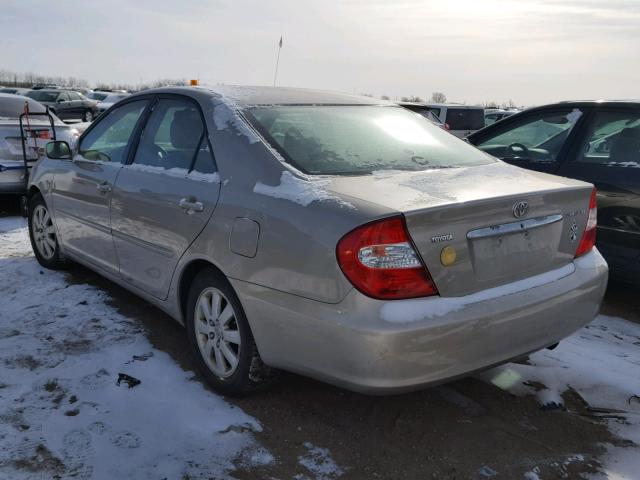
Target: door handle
191,205
104,187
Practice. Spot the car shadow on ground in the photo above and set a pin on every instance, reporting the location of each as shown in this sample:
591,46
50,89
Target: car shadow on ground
464,429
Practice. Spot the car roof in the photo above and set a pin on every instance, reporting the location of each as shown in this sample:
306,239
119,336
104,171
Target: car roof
250,95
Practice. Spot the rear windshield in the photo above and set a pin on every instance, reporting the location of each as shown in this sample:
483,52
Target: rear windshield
351,140
465,118
12,107
42,96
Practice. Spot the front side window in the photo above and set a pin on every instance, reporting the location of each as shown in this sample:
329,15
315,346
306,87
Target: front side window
108,140
173,136
351,140
537,138
613,139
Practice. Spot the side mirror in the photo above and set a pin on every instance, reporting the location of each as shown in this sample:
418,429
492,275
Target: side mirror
60,100
58,150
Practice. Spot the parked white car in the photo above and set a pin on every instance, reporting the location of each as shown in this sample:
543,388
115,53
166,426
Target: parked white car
461,120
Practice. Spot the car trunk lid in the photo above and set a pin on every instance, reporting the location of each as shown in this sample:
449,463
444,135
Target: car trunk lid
504,223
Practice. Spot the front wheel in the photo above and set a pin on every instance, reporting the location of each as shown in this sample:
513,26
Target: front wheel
42,234
221,341
87,116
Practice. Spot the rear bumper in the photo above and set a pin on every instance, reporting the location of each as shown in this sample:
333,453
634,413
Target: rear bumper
382,347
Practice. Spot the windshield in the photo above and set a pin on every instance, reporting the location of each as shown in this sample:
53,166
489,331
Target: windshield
42,96
359,139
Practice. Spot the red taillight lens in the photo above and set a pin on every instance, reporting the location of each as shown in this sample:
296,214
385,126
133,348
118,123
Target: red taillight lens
380,261
44,134
588,239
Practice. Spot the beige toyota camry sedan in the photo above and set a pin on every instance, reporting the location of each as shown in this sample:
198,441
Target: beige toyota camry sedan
336,236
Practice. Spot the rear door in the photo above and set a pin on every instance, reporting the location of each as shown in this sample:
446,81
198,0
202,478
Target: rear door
536,141
163,199
607,154
82,188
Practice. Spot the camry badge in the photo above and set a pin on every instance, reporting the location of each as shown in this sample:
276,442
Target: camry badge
520,209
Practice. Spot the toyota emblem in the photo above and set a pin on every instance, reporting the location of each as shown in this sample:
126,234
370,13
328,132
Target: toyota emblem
520,209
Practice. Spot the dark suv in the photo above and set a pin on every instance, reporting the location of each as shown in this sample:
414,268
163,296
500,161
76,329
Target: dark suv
66,104
598,142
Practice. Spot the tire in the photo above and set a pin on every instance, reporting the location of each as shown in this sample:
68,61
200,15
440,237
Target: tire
213,337
87,116
42,234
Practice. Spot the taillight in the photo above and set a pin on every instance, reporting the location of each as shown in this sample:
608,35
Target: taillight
44,134
588,239
380,261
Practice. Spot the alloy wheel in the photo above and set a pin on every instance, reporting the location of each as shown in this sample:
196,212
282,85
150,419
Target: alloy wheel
217,332
43,232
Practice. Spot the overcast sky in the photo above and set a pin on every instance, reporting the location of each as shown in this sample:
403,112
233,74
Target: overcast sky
531,51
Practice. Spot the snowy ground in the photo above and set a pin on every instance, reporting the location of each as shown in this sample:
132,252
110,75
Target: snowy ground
62,347
62,412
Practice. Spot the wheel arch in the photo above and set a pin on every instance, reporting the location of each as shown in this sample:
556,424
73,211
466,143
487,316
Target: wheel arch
187,274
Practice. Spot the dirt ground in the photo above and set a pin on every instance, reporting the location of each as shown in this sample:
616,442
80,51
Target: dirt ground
463,430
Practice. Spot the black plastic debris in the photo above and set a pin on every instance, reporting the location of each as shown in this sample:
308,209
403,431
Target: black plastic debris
128,379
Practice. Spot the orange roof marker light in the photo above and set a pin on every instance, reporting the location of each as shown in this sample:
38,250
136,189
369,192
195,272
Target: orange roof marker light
193,82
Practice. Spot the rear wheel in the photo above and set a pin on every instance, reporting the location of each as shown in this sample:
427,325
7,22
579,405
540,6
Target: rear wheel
42,234
87,116
221,341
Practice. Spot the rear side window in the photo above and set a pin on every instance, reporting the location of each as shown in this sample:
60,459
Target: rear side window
174,137
613,139
108,140
465,118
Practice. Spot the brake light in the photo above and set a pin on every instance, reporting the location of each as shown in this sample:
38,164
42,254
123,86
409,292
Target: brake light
44,134
380,261
588,239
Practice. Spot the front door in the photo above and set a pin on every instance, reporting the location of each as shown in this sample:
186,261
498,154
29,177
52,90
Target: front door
164,198
83,187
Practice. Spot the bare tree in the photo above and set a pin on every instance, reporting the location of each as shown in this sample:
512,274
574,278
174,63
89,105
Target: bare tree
438,97
385,97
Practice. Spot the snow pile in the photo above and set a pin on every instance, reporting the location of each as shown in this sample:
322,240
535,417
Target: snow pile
301,191
319,462
601,363
62,348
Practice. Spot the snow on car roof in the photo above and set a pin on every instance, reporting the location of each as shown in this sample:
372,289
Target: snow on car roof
250,95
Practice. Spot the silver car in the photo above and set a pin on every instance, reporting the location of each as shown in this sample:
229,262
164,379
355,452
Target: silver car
335,236
37,129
